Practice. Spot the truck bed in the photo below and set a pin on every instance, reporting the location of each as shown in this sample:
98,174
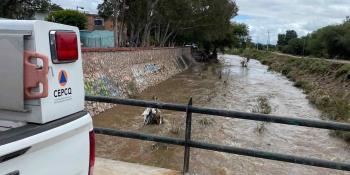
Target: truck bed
46,148
6,125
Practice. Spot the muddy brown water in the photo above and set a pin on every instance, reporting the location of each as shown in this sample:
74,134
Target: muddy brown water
237,89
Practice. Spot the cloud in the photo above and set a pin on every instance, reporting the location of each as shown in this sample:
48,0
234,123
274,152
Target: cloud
90,6
277,16
263,16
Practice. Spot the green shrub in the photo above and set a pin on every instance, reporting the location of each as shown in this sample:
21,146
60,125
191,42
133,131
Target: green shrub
320,66
68,17
306,86
88,87
344,70
262,106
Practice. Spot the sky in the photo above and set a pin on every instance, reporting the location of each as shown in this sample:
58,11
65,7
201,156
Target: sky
277,16
268,16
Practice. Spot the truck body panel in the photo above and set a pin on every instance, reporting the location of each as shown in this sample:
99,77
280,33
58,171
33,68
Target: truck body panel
59,102
60,147
40,134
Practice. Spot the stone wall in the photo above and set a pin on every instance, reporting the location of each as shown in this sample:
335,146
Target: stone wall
126,72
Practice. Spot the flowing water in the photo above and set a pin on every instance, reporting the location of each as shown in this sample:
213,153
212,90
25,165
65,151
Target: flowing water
226,86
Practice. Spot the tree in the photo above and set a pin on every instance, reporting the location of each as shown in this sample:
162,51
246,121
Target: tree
208,22
54,7
290,34
236,37
112,8
331,41
161,22
22,9
294,46
283,40
69,17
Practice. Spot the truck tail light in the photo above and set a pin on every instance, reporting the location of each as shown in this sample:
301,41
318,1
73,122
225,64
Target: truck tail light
64,46
92,152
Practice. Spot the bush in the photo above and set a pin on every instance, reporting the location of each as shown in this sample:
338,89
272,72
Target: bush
262,106
319,66
306,86
68,17
344,70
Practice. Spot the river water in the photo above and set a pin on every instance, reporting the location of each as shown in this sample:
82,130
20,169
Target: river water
226,86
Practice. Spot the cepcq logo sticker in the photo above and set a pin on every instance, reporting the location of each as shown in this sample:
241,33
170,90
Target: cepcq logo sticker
62,77
63,91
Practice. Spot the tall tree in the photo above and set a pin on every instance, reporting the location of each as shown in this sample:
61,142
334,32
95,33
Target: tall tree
290,34
69,17
112,8
22,9
161,22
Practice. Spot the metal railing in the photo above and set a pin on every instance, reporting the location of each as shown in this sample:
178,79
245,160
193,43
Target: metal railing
188,143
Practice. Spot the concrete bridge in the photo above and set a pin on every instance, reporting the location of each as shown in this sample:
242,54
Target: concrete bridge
112,167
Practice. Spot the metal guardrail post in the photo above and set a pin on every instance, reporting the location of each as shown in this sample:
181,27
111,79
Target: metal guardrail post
187,137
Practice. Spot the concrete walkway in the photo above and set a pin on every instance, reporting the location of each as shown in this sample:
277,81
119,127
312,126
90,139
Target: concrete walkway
112,167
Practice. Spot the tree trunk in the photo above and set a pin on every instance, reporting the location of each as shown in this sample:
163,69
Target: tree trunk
149,20
115,25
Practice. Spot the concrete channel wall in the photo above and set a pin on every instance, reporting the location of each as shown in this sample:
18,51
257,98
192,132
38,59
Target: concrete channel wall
126,72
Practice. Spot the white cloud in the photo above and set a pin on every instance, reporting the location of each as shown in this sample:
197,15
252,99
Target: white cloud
90,6
277,16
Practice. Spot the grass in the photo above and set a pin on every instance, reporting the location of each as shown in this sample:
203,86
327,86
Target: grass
96,88
305,85
326,83
343,71
131,88
175,127
205,121
262,107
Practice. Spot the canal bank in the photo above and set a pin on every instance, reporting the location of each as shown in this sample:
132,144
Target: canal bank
125,72
226,86
326,82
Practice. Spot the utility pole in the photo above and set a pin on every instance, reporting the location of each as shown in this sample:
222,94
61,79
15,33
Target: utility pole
268,40
79,7
257,42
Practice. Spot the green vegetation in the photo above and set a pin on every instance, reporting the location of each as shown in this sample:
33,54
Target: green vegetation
326,83
262,107
175,127
25,9
88,87
204,121
132,88
163,22
328,42
100,88
69,17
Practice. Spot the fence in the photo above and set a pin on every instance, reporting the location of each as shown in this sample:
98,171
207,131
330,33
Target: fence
188,143
97,39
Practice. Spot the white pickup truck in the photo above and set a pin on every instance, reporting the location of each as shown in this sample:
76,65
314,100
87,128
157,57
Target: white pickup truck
44,129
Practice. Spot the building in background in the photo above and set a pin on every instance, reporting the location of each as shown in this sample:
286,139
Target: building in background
96,22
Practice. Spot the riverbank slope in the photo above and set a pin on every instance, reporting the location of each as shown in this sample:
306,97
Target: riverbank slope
125,73
326,83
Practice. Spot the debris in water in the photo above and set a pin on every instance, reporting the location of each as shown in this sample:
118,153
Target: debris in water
263,107
244,62
152,116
